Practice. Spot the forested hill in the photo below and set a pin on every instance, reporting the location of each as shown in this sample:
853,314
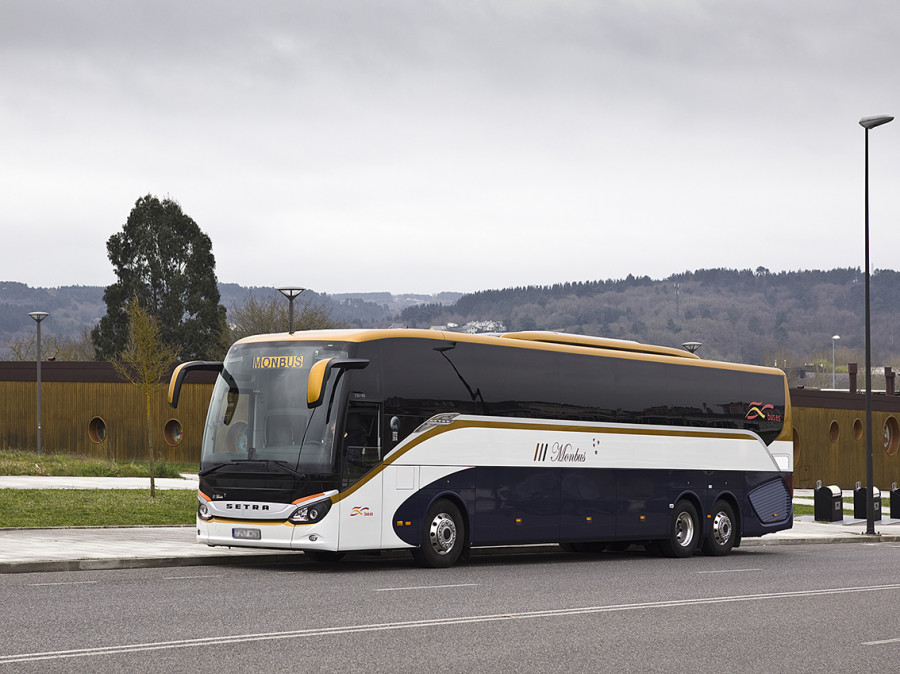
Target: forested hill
741,315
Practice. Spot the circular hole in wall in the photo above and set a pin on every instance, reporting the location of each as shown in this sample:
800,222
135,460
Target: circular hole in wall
857,429
97,430
891,436
173,433
834,432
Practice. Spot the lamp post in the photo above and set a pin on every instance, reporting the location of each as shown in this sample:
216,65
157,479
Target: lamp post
691,346
291,293
836,337
38,316
869,123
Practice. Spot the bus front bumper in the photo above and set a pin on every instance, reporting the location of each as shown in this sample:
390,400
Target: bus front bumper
272,535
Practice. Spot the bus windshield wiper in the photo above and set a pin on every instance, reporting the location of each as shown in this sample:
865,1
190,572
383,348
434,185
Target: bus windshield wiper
281,465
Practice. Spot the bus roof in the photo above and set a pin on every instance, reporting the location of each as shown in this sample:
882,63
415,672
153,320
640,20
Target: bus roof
546,338
553,341
598,343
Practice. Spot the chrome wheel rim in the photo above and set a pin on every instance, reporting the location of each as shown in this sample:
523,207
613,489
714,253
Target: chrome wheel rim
442,533
722,528
684,529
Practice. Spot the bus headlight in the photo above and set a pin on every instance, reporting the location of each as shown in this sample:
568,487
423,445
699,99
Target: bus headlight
203,512
311,512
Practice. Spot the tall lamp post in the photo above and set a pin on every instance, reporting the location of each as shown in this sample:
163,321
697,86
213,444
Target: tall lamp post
692,346
292,294
833,339
38,316
869,123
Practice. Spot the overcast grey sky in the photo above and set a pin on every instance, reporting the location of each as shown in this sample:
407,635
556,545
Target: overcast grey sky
417,146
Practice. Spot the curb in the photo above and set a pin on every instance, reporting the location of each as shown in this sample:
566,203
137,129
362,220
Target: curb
250,559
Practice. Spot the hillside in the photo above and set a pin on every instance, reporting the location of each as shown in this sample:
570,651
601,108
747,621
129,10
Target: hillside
787,318
76,308
740,315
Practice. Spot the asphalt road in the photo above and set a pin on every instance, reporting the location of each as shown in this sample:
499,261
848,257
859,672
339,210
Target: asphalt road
762,609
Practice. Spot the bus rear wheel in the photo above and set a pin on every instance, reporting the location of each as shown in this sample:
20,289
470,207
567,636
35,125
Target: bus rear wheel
684,531
723,535
443,536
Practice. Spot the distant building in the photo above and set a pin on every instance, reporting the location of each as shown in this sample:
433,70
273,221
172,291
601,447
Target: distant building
477,327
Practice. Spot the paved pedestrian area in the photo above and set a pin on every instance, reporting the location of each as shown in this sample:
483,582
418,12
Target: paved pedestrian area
68,549
187,481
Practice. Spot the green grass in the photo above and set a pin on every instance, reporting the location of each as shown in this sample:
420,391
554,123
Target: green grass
96,507
15,462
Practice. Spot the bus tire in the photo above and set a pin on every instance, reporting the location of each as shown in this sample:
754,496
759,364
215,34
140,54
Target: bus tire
684,532
724,531
443,536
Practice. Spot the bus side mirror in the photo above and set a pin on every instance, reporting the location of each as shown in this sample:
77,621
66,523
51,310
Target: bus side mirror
318,376
180,372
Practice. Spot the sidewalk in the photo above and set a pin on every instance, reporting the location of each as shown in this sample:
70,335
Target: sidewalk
74,549
188,481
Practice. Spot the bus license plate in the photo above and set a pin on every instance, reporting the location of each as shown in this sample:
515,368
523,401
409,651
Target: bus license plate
246,534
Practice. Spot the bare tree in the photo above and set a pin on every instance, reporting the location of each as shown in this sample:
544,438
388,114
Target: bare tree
265,315
146,362
52,347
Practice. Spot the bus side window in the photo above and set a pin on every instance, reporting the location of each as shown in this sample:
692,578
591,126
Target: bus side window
361,446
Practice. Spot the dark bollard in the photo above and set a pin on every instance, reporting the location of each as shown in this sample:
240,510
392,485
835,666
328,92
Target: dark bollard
859,503
828,505
895,502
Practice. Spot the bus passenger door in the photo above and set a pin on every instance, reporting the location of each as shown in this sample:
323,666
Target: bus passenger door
361,512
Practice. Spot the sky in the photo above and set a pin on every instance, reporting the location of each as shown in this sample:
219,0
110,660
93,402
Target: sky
418,146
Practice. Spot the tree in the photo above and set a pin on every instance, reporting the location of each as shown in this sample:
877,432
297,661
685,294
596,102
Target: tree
264,315
145,362
162,258
52,348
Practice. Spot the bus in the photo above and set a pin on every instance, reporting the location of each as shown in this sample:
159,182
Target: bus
436,442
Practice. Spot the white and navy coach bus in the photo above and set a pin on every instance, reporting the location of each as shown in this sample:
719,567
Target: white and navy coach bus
340,440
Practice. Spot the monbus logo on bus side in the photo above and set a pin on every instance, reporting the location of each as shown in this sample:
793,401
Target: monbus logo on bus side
558,453
760,411
276,362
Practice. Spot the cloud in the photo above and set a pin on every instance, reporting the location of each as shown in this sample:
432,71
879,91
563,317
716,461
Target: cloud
416,146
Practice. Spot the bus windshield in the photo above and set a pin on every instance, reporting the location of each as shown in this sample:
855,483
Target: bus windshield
259,411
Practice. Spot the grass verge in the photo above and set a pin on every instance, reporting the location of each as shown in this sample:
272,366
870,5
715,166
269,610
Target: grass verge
96,507
16,462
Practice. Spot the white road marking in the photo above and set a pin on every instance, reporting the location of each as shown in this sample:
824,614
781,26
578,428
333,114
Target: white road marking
424,587
435,622
881,642
730,571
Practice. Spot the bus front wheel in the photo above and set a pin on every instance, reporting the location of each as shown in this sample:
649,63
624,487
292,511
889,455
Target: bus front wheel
443,536
684,531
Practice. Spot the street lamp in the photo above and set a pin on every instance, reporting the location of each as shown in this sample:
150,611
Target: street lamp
869,123
291,294
692,346
38,316
832,358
